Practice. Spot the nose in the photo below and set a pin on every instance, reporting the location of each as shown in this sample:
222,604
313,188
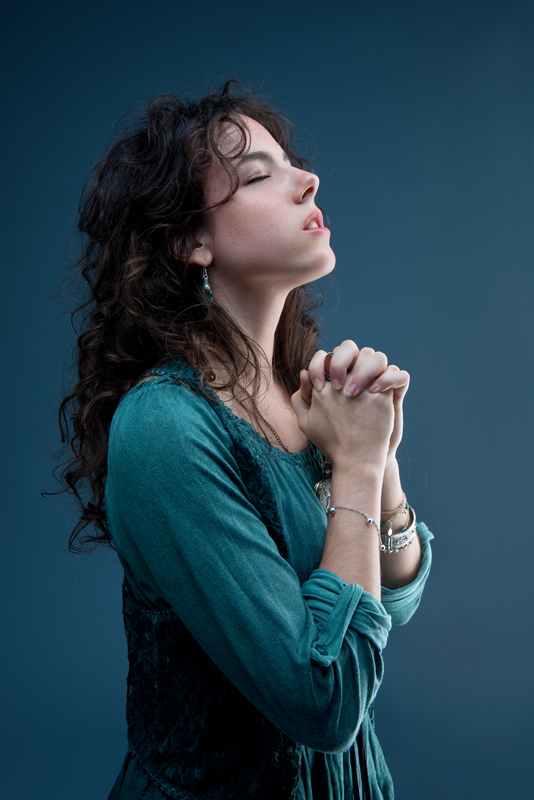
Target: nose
306,186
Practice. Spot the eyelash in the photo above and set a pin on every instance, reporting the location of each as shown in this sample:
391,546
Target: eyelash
259,178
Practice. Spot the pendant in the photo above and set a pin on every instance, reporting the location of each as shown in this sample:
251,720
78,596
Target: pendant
323,488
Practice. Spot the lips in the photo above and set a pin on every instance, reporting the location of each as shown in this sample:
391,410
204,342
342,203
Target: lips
313,221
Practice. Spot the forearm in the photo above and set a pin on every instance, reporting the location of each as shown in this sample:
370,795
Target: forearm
352,547
397,569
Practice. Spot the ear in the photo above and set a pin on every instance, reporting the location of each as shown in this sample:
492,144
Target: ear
201,255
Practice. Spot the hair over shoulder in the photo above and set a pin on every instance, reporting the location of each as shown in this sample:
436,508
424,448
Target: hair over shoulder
140,212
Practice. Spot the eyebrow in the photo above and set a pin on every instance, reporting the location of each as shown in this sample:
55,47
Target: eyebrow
260,155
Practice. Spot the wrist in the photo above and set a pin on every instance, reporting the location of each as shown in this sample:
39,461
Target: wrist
355,473
392,465
359,487
391,485
363,465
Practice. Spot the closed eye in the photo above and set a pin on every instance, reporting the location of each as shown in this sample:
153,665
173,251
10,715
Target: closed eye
260,178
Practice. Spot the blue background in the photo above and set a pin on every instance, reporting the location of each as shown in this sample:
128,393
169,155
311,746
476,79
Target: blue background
419,117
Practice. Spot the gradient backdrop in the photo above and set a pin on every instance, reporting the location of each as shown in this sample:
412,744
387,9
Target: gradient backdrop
419,118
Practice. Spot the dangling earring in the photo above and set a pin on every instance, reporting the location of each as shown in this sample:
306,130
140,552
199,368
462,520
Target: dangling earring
206,288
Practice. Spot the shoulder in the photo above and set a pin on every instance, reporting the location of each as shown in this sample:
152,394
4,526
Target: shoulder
159,415
162,395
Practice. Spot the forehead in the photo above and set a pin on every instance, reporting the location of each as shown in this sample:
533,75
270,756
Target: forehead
230,140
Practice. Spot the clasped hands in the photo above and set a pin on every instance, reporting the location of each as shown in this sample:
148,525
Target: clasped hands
359,411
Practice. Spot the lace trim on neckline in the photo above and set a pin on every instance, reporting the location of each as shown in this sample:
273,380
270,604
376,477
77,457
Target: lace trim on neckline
240,424
268,448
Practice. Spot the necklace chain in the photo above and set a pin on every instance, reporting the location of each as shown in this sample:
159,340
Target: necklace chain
258,412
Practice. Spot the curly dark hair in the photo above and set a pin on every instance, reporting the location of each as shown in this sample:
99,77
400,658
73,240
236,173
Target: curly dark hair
140,212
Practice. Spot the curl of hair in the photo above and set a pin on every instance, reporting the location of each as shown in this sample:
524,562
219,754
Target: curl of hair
140,212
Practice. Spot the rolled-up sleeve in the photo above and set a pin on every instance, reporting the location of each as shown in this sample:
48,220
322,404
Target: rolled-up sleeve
402,603
337,606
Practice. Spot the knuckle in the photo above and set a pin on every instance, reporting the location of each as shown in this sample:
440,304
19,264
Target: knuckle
382,399
382,356
318,358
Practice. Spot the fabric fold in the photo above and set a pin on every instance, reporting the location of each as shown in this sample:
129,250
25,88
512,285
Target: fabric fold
336,606
402,603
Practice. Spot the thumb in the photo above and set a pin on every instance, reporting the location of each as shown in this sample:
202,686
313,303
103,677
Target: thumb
398,395
301,409
306,386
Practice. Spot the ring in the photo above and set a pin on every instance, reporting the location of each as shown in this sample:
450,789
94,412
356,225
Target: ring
327,360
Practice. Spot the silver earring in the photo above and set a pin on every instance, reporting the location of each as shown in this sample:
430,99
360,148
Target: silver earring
206,288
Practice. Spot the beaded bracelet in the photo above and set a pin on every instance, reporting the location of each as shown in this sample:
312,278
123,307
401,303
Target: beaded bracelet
369,520
395,514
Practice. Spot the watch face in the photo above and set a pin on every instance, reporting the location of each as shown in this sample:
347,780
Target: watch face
323,490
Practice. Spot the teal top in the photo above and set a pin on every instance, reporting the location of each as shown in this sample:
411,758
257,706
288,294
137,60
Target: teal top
300,644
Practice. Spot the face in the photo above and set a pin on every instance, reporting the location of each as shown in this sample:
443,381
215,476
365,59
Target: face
270,233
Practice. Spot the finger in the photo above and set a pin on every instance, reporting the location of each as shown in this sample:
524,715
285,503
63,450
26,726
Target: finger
301,409
392,378
398,395
328,361
363,356
316,369
344,358
306,386
366,371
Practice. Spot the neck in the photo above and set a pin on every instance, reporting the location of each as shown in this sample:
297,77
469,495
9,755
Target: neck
257,314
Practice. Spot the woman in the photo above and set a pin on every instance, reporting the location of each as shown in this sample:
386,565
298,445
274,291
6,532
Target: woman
202,421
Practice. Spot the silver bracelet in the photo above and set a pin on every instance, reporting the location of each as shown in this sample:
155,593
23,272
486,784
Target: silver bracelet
392,543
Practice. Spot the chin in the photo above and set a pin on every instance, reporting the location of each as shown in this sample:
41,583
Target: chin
326,266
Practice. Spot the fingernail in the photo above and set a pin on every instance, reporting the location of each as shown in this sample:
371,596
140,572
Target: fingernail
351,391
336,383
375,387
318,384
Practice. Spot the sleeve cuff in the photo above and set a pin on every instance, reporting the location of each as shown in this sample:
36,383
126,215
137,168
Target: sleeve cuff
402,603
337,606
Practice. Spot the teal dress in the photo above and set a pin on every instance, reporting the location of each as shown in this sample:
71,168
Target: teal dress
303,647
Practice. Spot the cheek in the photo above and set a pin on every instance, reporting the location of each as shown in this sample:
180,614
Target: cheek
267,221
250,226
